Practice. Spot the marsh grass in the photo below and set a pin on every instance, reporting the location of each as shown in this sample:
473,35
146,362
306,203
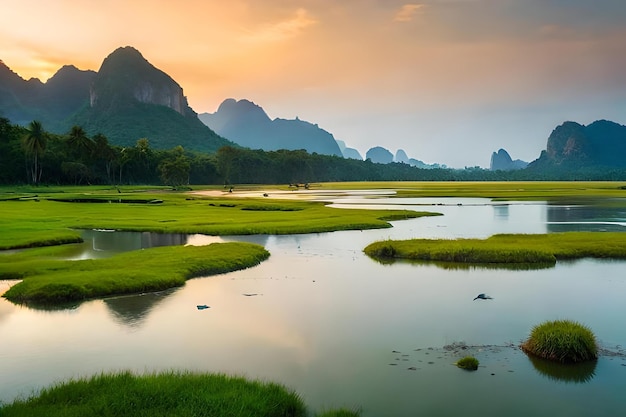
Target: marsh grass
165,394
522,249
46,280
469,363
562,341
160,395
31,223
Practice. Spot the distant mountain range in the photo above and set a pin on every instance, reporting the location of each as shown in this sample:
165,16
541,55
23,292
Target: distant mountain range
248,125
128,99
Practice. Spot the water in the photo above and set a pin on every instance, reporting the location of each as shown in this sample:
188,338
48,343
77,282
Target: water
344,330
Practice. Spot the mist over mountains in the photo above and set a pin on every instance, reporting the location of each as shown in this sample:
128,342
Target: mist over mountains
247,124
128,99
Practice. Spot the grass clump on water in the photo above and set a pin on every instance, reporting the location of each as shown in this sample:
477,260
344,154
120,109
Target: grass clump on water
505,248
562,341
468,363
54,281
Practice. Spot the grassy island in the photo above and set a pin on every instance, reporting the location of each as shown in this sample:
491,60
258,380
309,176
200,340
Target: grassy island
51,217
505,248
164,394
46,280
562,341
40,222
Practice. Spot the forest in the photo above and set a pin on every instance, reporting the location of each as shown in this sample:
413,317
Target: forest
32,155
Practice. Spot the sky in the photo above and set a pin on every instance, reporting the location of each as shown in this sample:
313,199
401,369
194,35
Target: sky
447,81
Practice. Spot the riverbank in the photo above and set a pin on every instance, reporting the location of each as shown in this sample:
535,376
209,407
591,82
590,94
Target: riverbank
505,249
51,218
48,281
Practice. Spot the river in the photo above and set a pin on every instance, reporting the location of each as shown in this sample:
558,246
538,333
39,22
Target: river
346,331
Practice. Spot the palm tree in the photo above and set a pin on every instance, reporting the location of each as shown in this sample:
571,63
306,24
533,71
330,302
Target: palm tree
102,151
80,145
34,143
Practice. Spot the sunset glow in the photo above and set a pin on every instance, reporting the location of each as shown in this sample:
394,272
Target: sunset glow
424,76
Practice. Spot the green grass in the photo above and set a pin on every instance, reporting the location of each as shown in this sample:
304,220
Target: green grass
41,222
165,394
47,280
37,221
468,363
510,190
562,341
503,249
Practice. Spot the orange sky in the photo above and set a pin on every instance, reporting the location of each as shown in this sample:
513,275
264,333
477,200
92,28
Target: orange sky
448,81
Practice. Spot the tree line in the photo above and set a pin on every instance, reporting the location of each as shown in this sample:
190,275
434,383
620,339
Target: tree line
31,155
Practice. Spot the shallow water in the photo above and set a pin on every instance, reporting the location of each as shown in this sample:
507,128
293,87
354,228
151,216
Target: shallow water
344,330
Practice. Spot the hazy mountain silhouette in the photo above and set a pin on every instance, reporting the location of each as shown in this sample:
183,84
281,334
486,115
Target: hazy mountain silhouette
501,161
350,153
52,102
379,155
247,124
401,156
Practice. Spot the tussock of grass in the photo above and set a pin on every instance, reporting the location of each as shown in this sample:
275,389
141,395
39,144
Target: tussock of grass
505,248
51,281
468,363
166,394
562,341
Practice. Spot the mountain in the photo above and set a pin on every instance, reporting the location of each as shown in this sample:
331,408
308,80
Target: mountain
501,161
126,100
401,156
572,146
248,125
130,99
379,155
51,103
349,153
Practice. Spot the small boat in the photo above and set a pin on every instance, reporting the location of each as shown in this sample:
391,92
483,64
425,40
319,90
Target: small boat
202,307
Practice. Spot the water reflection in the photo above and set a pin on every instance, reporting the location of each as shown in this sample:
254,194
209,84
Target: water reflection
105,243
453,266
501,211
592,216
133,310
578,373
102,243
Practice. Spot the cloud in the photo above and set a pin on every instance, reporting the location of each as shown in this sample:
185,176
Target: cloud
281,30
407,12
